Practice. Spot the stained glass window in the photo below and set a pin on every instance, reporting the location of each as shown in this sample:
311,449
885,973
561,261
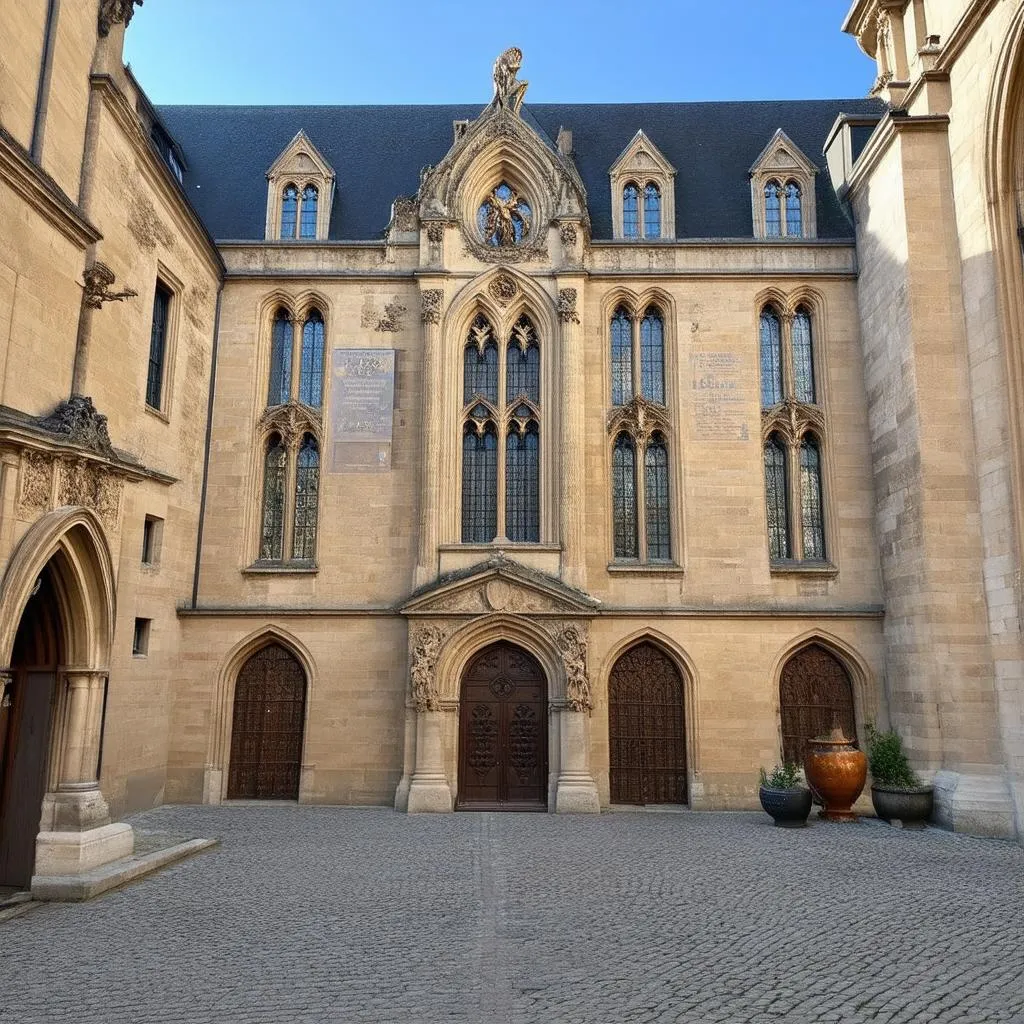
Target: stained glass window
522,483
656,508
811,514
624,512
776,498
522,371
272,531
480,364
289,211
794,223
803,357
311,369
630,212
622,357
652,212
772,209
652,357
157,346
307,492
479,484
280,359
771,359
307,224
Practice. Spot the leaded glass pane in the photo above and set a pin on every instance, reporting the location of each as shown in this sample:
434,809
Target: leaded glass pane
630,212
803,357
772,210
776,499
479,485
307,493
652,212
480,364
311,369
771,359
307,224
272,531
622,358
652,357
289,211
157,347
656,508
522,371
794,222
624,512
522,485
811,513
280,360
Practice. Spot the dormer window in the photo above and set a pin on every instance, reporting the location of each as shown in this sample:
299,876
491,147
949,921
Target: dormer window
300,188
630,211
643,192
289,211
652,210
782,191
794,221
307,220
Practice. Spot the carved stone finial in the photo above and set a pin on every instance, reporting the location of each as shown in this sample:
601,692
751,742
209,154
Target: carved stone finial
114,12
567,306
78,420
426,646
572,645
431,311
503,289
98,278
508,90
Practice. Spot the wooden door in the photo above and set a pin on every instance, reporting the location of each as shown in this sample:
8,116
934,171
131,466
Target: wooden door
267,727
646,727
815,695
503,732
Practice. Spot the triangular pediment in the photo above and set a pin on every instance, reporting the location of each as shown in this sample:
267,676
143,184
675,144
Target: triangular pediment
643,157
301,158
499,585
782,154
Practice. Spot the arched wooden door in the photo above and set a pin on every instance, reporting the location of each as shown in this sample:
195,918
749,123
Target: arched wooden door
503,732
267,726
815,694
646,728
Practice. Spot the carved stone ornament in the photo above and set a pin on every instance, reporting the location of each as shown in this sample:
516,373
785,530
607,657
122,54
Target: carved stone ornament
567,233
405,213
98,278
435,233
391,321
36,482
79,482
567,306
791,419
572,645
640,419
114,12
509,92
431,312
426,643
78,421
503,289
292,421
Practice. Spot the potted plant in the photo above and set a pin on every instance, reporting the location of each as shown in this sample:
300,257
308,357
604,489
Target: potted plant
896,791
783,797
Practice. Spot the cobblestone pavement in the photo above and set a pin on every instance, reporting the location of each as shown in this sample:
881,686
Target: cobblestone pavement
317,914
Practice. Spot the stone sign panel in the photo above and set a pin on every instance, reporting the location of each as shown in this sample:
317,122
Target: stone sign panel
718,401
362,409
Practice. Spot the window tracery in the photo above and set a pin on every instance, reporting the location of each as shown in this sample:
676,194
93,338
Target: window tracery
504,217
782,191
643,192
300,190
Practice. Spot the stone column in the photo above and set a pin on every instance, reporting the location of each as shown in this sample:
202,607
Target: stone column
432,429
572,484
576,791
429,790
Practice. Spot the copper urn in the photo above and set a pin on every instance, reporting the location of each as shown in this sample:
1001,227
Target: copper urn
836,771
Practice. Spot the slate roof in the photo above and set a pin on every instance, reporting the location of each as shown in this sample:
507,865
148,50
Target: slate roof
377,153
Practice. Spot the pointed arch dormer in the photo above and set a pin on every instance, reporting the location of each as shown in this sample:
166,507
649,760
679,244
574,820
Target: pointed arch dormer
300,192
782,191
643,192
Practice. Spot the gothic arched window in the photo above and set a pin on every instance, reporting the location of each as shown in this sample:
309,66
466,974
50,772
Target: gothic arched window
656,506
522,370
771,358
522,477
624,512
622,357
280,359
776,484
794,215
803,357
311,363
307,495
479,482
289,211
652,356
652,211
811,510
274,472
773,210
307,222
630,211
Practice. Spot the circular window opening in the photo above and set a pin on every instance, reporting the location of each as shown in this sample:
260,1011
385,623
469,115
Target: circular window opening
504,218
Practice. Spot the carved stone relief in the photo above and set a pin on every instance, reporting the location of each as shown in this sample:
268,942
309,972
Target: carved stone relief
81,482
292,421
425,645
36,482
431,311
640,419
503,289
567,306
571,641
406,213
98,278
791,419
567,233
115,12
78,421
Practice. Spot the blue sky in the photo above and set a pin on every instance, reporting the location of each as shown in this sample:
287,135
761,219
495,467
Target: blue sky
397,51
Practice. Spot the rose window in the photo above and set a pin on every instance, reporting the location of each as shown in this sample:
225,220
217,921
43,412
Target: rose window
504,218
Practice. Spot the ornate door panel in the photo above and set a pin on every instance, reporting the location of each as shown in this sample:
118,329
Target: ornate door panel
646,729
503,731
266,731
814,695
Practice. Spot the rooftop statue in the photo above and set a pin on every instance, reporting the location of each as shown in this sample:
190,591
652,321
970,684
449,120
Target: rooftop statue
508,90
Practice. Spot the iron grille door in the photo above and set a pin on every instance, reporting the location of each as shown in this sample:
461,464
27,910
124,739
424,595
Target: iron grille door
814,695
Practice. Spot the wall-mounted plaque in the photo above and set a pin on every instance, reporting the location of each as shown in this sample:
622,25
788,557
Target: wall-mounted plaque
362,409
718,400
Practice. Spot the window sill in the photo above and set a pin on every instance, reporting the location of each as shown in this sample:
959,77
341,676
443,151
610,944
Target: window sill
158,413
793,568
508,545
646,568
281,569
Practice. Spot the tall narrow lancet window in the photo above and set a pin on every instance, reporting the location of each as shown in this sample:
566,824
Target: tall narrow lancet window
794,216
289,211
803,358
771,359
280,359
624,510
630,212
811,512
479,482
307,494
656,509
480,364
307,220
652,211
622,357
274,471
311,367
776,498
522,478
772,210
522,370
652,357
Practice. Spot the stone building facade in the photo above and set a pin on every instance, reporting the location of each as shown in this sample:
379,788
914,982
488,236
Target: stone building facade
522,456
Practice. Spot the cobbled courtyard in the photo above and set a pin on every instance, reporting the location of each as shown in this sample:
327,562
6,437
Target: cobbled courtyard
319,914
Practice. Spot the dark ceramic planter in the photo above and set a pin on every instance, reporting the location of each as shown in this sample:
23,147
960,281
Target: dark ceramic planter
912,807
788,807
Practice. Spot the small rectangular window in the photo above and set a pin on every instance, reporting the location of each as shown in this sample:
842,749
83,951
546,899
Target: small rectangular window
158,346
152,536
140,638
